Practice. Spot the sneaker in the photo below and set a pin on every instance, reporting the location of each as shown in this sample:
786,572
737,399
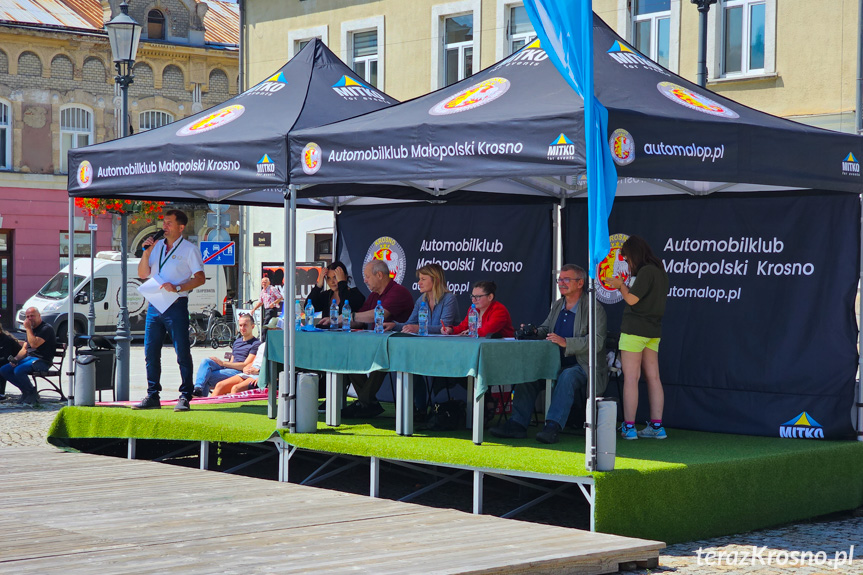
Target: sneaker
549,433
30,399
182,404
628,432
651,432
198,392
509,430
149,402
359,410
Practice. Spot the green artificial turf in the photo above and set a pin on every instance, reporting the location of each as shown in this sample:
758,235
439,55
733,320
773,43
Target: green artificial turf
690,486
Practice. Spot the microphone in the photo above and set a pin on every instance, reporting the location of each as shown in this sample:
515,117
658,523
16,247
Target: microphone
159,235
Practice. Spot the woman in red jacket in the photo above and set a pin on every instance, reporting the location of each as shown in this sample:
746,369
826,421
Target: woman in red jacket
493,316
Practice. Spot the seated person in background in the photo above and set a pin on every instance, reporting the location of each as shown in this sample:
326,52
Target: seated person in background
9,347
245,380
37,354
270,300
493,316
213,370
398,303
336,278
566,325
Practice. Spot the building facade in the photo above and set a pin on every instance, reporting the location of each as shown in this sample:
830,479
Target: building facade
57,92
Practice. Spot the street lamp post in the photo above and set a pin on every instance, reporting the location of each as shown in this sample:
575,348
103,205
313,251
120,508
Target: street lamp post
703,9
124,33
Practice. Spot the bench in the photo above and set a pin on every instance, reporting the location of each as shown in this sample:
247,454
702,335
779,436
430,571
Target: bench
52,375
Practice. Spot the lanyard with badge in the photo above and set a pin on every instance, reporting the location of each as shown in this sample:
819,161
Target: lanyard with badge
163,257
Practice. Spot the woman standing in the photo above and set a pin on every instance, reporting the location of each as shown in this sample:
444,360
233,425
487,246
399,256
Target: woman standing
442,305
493,316
640,332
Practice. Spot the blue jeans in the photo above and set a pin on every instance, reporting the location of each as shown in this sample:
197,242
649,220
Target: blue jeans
19,375
209,374
175,321
569,381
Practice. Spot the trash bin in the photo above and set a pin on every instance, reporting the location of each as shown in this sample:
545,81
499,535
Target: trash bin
94,370
606,433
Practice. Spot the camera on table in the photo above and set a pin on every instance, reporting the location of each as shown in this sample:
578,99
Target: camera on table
527,331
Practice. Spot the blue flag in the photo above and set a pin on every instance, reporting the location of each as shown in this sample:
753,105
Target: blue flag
565,32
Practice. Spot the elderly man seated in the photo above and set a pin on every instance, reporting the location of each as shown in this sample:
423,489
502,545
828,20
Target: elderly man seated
213,370
566,325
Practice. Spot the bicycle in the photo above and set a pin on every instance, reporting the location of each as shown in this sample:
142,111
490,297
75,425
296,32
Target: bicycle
218,331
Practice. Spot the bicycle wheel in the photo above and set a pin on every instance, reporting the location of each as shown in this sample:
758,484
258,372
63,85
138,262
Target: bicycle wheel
221,335
193,336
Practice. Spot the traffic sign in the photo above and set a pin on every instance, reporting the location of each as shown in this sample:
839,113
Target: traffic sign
218,253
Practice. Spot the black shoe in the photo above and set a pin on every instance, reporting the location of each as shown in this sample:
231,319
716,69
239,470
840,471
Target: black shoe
149,402
549,433
198,392
359,410
509,430
30,399
182,404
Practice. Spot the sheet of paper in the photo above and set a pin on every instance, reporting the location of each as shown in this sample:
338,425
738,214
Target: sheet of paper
161,299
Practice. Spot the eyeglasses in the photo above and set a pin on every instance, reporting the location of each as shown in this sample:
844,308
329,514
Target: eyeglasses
568,281
477,297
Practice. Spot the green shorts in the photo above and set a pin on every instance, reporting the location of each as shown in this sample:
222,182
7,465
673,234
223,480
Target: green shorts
636,343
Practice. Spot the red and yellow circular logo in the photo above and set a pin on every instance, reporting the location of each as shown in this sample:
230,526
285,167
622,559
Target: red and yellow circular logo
473,97
694,101
212,121
85,174
622,147
311,158
613,265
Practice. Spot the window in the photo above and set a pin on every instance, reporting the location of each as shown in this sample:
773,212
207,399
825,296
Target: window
743,36
100,289
151,119
364,58
519,30
298,39
5,136
651,29
76,130
82,249
155,25
458,48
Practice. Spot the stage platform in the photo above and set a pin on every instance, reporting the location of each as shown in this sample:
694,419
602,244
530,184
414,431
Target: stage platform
108,515
690,486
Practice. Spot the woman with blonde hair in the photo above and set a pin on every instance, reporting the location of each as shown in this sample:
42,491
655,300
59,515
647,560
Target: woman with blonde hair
442,304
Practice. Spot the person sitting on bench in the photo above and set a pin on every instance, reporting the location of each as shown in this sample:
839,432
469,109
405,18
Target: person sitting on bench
37,354
243,381
213,370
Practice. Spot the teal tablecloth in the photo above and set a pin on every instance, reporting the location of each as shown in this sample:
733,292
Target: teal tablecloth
490,361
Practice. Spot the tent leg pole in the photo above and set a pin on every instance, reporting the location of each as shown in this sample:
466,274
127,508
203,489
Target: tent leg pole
291,288
859,390
70,318
590,426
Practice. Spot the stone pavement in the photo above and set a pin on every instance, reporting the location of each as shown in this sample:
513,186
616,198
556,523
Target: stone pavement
812,548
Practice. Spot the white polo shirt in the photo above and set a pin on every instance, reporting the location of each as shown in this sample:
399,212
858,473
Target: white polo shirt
177,265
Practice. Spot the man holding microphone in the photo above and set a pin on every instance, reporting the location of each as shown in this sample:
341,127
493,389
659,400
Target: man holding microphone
178,265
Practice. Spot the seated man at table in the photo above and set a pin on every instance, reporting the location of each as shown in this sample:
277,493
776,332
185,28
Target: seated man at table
566,325
398,303
213,370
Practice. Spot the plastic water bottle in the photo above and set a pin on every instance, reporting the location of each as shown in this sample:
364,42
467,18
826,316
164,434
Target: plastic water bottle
334,315
346,316
423,316
379,318
298,315
310,314
473,321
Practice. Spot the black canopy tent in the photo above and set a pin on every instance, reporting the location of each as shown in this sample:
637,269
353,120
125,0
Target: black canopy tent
517,128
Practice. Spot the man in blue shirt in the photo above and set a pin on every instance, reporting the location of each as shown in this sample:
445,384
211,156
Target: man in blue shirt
566,325
213,370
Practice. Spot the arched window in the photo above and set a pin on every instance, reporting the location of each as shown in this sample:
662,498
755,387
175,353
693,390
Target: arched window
155,25
151,119
5,136
76,130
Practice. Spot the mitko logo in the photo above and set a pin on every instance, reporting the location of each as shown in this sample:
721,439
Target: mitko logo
613,265
391,253
530,55
268,87
801,427
311,158
622,147
850,166
473,97
693,100
85,174
266,167
561,148
212,121
351,90
630,59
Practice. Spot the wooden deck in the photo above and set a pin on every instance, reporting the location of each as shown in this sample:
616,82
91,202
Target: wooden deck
75,513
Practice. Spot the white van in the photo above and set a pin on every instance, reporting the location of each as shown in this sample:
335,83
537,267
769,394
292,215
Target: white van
52,300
